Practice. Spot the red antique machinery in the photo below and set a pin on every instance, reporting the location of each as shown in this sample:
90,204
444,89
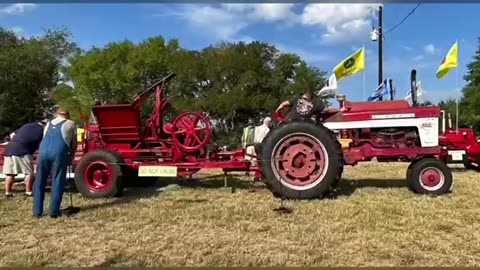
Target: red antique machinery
117,149
305,159
459,145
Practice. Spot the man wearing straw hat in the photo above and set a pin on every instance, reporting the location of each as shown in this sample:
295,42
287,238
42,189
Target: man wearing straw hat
57,151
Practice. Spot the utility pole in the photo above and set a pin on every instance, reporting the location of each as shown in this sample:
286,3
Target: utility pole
380,47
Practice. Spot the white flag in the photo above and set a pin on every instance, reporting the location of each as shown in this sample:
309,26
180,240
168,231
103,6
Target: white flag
330,86
419,91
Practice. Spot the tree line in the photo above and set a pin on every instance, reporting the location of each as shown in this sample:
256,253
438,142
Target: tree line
229,82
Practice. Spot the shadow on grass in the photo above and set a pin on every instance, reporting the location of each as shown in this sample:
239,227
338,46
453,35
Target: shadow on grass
128,196
213,182
136,192
347,187
462,170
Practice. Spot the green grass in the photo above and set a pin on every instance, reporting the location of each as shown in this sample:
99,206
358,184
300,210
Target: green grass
375,221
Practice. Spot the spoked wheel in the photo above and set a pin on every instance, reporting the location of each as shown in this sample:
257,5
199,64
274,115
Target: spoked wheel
429,176
99,174
302,160
190,131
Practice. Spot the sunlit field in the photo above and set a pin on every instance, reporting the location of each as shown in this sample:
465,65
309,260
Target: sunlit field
373,221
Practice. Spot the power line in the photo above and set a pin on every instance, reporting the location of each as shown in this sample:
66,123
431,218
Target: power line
403,20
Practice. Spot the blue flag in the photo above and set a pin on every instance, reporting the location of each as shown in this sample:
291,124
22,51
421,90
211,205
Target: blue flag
382,90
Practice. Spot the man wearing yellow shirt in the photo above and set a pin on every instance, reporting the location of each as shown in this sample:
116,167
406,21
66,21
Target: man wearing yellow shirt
80,132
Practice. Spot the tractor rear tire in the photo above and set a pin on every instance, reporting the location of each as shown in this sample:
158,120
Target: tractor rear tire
105,162
429,176
311,162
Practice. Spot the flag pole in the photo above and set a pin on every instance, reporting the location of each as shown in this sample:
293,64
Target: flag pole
364,73
456,86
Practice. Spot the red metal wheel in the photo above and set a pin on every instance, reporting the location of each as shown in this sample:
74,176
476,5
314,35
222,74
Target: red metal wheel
98,175
190,131
300,161
431,179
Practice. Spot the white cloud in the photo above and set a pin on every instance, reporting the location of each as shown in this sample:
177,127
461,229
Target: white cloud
418,57
228,20
17,30
429,49
342,22
338,22
264,11
306,55
217,21
407,48
18,8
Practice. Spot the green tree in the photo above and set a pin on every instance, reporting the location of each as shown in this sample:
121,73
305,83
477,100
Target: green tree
470,102
449,106
229,82
426,103
29,70
113,74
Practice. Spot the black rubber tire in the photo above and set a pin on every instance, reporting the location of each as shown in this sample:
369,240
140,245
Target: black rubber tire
470,166
408,173
413,177
115,161
333,150
132,180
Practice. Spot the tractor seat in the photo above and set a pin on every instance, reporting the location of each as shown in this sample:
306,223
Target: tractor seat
377,105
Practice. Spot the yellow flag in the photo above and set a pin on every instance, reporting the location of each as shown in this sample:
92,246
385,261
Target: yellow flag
350,65
450,61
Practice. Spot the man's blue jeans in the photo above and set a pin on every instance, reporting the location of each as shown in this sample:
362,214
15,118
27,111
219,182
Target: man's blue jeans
58,166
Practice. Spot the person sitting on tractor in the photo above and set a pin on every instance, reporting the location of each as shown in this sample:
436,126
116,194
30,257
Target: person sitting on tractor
304,107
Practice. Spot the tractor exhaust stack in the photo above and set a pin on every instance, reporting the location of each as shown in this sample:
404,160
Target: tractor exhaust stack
413,87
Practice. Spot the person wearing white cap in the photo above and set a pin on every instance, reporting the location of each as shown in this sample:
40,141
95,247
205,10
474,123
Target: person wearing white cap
262,130
260,133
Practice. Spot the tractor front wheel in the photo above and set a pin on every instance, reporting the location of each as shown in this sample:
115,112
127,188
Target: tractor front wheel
429,176
469,165
301,160
99,174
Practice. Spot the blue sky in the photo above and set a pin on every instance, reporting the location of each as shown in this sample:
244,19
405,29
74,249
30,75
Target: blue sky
322,34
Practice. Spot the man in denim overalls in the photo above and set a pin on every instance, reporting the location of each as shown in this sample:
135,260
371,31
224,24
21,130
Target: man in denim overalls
56,152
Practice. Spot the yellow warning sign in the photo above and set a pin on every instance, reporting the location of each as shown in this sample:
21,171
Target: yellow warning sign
157,171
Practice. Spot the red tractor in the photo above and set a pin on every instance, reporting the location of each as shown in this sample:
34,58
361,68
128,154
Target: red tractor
459,145
305,159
